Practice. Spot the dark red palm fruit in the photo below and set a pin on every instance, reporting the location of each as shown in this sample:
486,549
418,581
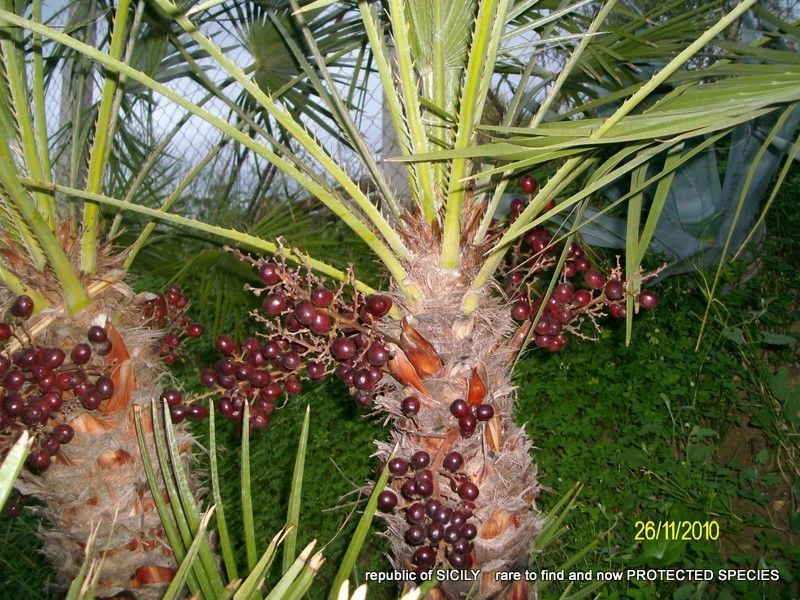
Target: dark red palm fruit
195,330
410,406
435,532
469,531
415,535
38,461
462,547
225,344
618,310
563,292
409,489
467,507
467,425
424,488
271,391
594,280
451,534
274,304
53,357
321,297
53,399
582,264
528,184
63,433
290,361
198,412
378,305
468,490
614,289
398,466
96,334
304,312
22,307
91,402
259,378
81,354
581,298
457,561
648,299
320,323
459,408
269,273
484,412
5,331
172,397
424,557
458,519
442,515
415,513
520,310
178,413
431,506
377,354
13,404
363,398
387,500
104,387
292,385
343,348
315,371
453,461
420,459
517,205
208,378
51,445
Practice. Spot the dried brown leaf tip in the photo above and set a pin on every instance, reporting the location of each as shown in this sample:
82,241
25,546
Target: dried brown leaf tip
476,390
402,370
419,351
498,523
151,574
493,434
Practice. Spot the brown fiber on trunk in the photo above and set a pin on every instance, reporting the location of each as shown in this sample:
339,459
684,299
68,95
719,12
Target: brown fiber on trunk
475,355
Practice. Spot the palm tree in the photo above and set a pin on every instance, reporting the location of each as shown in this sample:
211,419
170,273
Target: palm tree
90,362
450,333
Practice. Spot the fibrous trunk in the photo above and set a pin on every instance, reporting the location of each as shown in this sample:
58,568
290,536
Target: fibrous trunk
445,356
97,481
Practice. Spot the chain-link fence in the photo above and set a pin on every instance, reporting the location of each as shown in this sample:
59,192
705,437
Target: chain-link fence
147,118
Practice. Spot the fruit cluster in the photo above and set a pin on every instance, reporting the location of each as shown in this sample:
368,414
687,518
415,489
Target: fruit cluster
469,415
167,311
312,332
180,410
437,530
40,386
570,304
243,375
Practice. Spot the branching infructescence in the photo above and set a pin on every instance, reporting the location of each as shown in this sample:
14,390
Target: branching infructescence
310,332
571,304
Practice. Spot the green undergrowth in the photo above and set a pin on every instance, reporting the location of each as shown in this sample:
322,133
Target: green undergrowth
653,432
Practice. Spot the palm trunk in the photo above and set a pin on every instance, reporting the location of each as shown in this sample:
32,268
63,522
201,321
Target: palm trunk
469,358
97,481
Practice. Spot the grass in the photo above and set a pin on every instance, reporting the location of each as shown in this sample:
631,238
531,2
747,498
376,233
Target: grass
654,432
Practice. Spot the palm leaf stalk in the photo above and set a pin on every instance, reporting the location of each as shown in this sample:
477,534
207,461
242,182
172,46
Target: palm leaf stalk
452,338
